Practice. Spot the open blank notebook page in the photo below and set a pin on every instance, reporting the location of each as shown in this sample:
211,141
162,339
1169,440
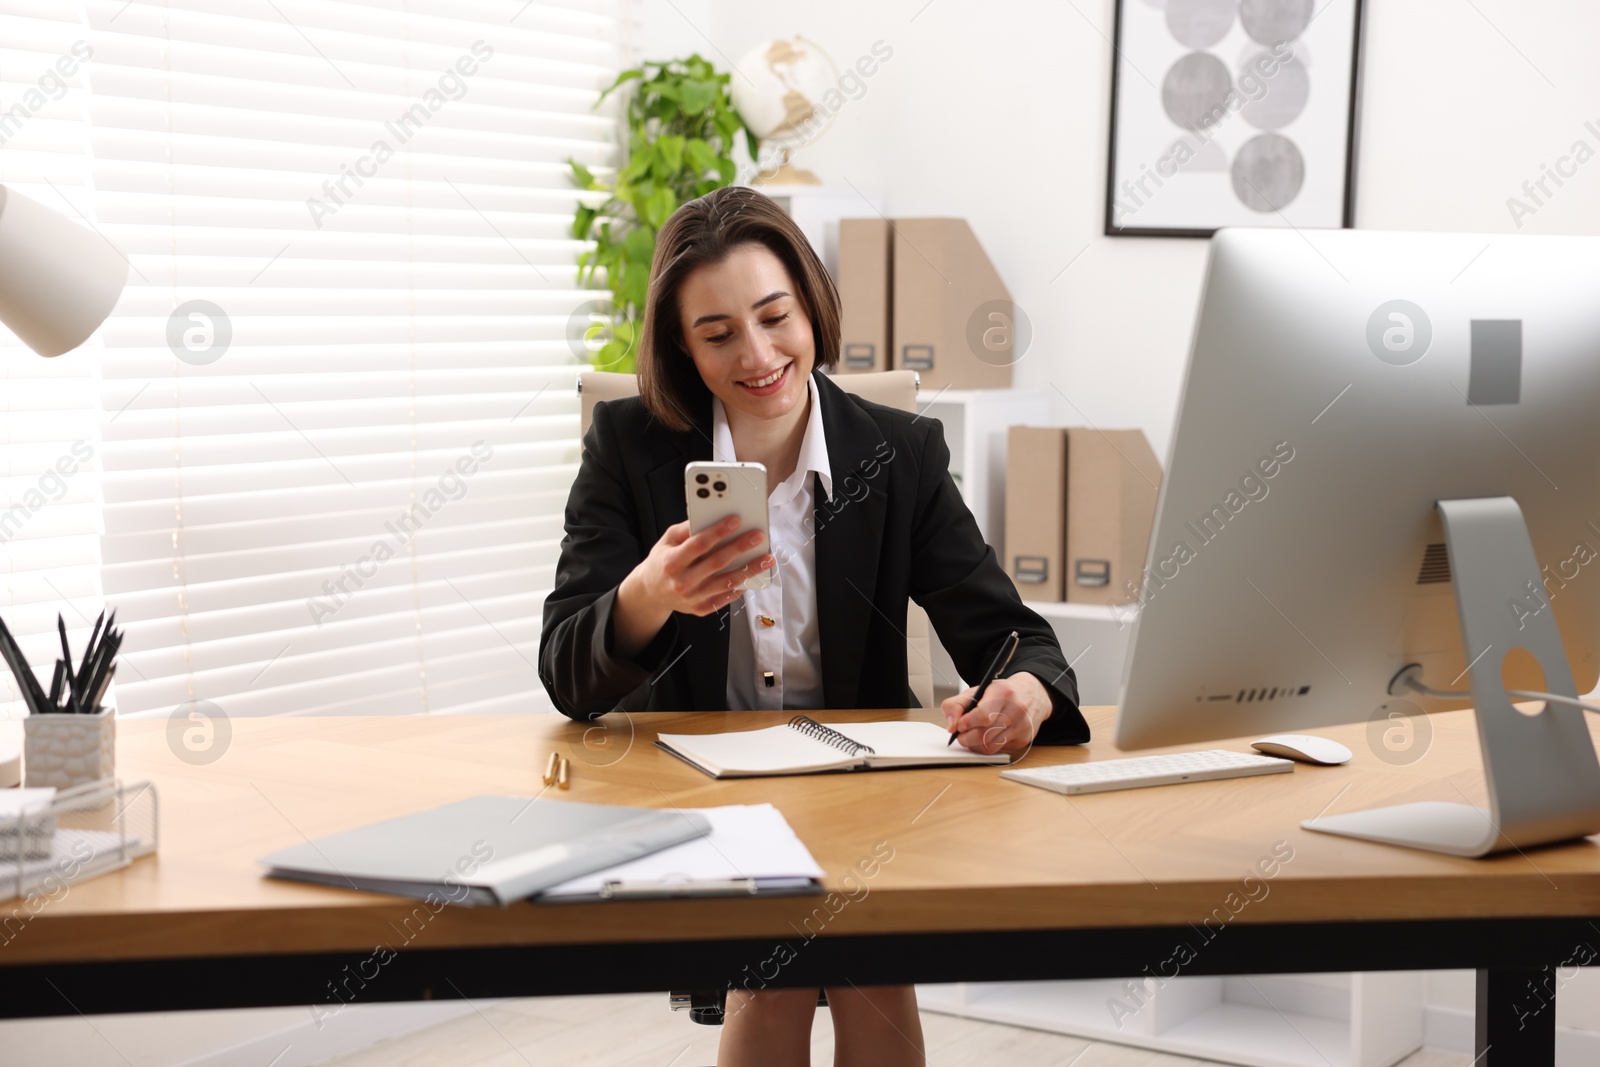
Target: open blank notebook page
804,746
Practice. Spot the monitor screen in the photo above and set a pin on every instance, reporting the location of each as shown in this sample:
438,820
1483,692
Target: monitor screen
1340,383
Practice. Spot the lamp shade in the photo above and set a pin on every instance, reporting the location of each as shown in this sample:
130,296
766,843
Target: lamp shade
58,280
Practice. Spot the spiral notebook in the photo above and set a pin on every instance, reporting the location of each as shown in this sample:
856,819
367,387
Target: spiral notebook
805,746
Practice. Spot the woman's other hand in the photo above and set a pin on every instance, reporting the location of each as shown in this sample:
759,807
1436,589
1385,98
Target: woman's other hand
1005,720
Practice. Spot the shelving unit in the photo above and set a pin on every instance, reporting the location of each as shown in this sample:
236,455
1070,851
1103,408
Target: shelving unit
975,423
1311,1020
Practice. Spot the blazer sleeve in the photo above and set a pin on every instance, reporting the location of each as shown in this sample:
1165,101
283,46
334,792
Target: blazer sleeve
972,602
603,542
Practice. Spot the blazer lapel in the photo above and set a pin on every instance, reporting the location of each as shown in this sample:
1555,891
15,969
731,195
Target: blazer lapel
849,540
704,658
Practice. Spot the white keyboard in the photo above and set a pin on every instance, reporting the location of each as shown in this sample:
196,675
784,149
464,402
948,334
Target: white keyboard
1101,776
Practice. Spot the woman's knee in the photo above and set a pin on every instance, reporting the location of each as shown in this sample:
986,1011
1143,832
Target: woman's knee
771,1004
891,1001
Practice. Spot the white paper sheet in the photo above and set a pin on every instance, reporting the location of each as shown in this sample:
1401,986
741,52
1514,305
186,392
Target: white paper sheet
746,841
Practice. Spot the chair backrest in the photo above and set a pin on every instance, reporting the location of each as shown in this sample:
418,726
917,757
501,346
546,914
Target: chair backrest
597,385
892,388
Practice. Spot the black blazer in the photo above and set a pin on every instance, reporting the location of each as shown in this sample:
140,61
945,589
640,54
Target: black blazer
896,528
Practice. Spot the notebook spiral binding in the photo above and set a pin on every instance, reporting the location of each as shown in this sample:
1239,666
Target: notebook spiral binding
828,736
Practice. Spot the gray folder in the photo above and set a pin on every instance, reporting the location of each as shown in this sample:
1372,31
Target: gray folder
485,850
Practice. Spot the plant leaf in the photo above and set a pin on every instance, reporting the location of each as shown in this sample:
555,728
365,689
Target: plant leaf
699,95
635,284
640,245
702,157
658,207
583,221
639,163
582,177
669,149
627,75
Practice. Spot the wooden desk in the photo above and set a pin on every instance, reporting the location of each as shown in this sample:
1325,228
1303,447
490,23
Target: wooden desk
975,879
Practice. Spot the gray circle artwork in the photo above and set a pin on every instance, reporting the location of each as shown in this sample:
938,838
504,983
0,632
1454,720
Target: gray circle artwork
1199,23
999,332
1195,91
1285,97
1399,332
1271,21
199,332
1268,172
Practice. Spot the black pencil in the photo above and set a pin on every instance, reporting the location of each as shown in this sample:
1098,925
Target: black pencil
32,694
66,652
88,652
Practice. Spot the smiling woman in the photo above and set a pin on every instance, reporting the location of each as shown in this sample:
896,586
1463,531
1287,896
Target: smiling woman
740,320
715,251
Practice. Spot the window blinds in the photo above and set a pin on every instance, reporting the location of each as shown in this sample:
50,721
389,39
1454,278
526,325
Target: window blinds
344,423
49,408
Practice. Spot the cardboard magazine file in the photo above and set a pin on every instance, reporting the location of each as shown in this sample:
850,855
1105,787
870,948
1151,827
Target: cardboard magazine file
952,316
864,251
1036,510
1113,478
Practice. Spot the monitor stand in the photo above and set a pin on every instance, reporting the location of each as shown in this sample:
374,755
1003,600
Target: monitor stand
1542,776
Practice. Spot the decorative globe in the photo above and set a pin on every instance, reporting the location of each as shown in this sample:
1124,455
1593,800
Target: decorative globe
778,91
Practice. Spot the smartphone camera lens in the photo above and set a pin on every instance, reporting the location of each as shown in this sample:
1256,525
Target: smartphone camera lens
720,487
701,479
702,493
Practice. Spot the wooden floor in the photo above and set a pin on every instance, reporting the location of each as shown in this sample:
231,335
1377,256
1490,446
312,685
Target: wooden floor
641,1031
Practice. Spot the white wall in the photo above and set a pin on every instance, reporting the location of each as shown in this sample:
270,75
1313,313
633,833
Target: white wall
999,112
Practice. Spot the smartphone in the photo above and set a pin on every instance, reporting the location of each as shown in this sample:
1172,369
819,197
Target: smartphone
716,490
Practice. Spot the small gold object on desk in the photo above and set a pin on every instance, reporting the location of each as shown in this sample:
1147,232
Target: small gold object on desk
551,768
564,775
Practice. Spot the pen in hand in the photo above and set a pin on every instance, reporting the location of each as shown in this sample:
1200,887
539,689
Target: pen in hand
1002,660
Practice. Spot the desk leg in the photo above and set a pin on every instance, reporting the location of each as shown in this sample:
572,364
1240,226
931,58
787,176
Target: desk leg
1516,1019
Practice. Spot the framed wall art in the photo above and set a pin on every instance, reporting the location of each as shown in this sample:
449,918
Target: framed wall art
1233,113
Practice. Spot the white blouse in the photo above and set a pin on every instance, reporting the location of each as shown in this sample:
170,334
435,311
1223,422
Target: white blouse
774,647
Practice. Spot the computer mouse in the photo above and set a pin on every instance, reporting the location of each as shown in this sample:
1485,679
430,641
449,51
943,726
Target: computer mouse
1306,748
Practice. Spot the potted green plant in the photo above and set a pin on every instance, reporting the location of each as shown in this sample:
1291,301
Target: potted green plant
681,130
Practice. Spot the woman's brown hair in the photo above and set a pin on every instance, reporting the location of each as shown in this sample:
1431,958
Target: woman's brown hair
701,232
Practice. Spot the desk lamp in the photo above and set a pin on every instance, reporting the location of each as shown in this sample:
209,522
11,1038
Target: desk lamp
58,280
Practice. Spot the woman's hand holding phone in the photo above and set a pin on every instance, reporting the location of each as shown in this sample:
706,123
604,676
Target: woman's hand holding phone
683,573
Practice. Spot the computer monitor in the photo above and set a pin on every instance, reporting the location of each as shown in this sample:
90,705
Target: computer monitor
1341,384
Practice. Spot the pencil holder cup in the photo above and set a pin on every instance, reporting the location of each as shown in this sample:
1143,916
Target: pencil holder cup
66,750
